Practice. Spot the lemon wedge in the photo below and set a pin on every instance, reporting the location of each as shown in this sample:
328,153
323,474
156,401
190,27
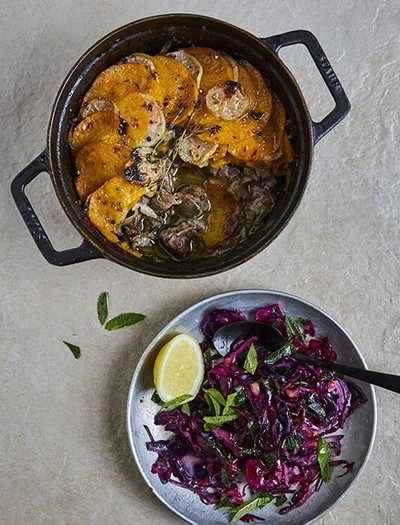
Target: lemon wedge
179,368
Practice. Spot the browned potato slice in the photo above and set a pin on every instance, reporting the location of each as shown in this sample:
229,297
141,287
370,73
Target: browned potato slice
190,62
224,214
228,100
118,80
145,60
157,123
95,105
212,129
196,151
181,88
96,163
105,126
263,97
266,145
216,67
109,205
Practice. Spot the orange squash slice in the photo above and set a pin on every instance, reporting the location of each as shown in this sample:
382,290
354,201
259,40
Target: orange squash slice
97,163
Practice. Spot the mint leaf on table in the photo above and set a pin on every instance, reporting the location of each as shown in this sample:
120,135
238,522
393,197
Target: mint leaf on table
256,502
324,456
251,362
102,307
122,320
74,349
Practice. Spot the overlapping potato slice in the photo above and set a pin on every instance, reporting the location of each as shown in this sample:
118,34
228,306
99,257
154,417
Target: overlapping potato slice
262,108
212,129
96,104
145,60
216,67
109,205
157,123
105,126
96,163
190,62
195,151
115,80
264,146
181,87
223,218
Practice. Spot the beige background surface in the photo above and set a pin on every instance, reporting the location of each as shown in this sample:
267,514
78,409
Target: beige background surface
64,455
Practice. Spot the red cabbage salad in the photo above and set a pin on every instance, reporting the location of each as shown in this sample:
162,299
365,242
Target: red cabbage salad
263,427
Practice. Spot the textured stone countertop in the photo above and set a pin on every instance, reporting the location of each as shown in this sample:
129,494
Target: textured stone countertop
64,453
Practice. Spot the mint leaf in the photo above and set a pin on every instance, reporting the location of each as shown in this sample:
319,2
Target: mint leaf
217,421
270,459
102,307
185,409
251,362
223,502
214,399
256,502
324,456
122,320
285,351
293,329
74,349
177,400
207,356
216,394
156,398
280,500
291,443
233,400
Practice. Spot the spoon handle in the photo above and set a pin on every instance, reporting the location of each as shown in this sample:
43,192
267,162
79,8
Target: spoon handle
388,381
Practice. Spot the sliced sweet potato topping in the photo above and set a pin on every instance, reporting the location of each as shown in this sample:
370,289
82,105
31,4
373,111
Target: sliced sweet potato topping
190,62
109,205
133,109
96,164
118,80
265,145
228,100
105,126
224,214
181,87
216,67
262,108
95,105
157,124
212,129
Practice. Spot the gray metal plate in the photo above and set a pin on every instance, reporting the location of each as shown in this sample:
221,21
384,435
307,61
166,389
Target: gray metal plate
359,430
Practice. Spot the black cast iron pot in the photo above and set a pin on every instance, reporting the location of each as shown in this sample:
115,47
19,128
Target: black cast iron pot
149,35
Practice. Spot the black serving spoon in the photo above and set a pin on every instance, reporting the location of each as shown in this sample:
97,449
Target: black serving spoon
270,337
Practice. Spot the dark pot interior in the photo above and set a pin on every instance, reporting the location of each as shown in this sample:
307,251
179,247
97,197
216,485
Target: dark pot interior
149,35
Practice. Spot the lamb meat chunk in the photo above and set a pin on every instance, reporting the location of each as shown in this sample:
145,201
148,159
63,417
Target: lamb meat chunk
179,240
194,201
164,199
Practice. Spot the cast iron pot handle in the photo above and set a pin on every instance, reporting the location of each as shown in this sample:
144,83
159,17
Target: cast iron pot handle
342,103
83,252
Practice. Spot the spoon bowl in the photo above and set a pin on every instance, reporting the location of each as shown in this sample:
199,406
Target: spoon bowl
271,338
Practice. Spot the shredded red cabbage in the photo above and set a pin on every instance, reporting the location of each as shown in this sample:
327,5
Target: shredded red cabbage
254,429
